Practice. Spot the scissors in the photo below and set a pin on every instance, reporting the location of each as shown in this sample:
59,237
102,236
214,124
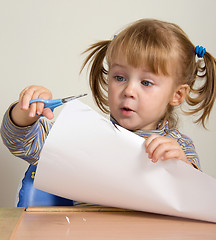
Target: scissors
52,104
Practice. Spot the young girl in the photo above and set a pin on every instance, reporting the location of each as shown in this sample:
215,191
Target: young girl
138,77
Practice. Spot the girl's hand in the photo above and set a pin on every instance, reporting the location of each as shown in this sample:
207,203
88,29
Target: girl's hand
164,148
24,115
33,92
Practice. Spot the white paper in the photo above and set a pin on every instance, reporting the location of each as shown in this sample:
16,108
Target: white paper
86,158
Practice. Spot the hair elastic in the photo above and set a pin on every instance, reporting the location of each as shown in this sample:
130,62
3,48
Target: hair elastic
200,51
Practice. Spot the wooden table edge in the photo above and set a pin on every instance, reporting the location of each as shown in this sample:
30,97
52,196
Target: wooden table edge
76,209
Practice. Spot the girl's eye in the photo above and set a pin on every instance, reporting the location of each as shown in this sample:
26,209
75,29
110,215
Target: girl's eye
120,78
146,83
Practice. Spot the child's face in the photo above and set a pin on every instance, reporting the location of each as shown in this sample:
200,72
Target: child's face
138,98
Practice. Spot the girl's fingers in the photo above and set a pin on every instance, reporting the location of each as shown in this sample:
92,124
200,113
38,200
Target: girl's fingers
153,142
149,141
25,97
48,113
32,110
34,92
174,153
163,149
38,106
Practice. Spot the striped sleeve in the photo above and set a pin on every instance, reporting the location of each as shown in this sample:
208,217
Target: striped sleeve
187,146
189,149
24,142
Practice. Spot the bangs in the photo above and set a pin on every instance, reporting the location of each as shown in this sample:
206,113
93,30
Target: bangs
149,46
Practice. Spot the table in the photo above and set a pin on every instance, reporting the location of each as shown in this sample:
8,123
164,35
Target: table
9,220
101,223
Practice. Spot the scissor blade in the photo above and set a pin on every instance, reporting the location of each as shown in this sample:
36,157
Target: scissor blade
67,99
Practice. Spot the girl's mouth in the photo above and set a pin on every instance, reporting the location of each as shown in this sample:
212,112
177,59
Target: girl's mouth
126,111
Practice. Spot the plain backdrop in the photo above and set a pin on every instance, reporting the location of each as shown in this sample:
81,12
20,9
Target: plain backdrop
41,42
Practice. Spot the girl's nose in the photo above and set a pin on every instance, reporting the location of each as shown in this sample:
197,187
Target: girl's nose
130,90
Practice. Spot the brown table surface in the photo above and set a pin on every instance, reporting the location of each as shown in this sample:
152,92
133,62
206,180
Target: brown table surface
98,223
9,220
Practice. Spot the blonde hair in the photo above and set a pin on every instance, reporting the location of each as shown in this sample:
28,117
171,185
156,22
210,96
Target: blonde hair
158,44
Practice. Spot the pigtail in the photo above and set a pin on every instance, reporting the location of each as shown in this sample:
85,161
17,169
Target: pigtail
202,97
97,75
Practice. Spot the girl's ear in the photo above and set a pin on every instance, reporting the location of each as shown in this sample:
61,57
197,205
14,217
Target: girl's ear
179,95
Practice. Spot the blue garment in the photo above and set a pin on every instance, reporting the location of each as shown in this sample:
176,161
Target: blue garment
30,196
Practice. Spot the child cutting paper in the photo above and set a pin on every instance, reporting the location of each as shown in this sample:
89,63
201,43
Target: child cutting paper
138,77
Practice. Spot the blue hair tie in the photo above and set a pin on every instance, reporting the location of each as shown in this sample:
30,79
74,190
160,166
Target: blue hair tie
200,51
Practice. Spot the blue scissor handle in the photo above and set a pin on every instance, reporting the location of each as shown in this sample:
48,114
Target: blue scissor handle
48,103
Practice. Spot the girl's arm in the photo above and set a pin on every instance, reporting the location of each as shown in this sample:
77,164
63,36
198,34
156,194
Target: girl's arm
24,142
22,131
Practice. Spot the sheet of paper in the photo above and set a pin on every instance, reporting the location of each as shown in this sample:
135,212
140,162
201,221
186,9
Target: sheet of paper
86,158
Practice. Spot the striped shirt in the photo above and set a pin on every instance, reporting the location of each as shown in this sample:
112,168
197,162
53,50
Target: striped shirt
27,142
184,141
